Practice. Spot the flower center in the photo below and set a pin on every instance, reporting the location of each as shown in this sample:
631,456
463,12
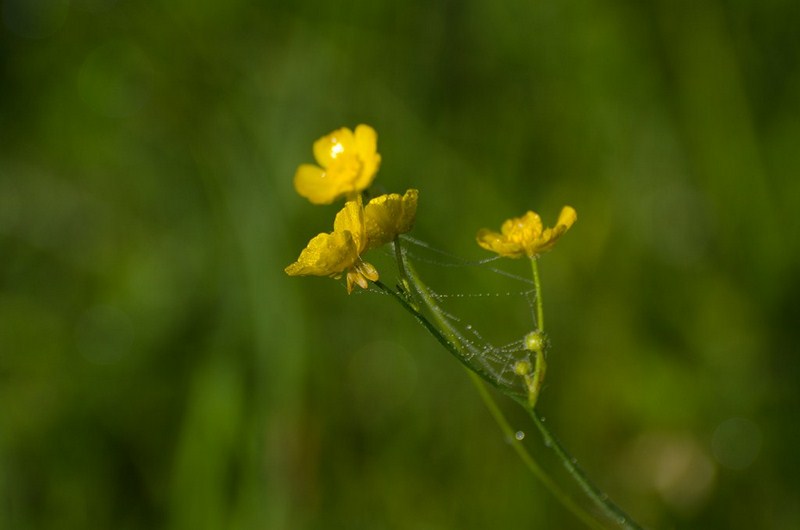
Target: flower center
345,168
521,233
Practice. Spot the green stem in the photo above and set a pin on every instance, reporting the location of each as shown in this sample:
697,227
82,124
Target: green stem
401,265
537,292
536,380
448,338
528,460
598,497
495,411
449,345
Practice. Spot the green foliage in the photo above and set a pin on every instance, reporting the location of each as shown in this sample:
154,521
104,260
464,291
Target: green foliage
159,370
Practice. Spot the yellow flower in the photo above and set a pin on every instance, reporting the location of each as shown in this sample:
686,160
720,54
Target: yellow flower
333,254
348,160
525,236
388,216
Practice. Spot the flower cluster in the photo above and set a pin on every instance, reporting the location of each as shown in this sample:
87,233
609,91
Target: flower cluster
348,162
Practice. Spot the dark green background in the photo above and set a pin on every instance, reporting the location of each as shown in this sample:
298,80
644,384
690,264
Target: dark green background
159,370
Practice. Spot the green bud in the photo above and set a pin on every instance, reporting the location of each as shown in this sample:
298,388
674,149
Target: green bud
534,341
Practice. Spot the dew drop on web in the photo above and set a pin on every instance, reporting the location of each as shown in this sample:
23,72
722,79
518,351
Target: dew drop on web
519,435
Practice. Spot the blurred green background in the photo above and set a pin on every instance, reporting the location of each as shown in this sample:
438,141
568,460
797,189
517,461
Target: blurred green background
159,370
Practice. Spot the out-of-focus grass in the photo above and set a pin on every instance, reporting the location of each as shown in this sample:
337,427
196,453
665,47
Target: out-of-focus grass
159,370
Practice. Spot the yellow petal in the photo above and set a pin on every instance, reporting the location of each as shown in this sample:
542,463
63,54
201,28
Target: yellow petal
567,217
351,219
366,149
332,145
349,162
525,228
499,243
366,141
314,184
525,236
325,255
390,215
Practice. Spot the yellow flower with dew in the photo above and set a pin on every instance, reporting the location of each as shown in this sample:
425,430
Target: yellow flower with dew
525,235
339,251
348,161
390,215
357,229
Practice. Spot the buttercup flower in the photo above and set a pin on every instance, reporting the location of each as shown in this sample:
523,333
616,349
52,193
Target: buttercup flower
333,254
525,236
388,216
347,162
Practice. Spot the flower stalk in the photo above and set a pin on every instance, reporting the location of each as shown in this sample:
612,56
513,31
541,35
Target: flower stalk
451,344
443,331
347,163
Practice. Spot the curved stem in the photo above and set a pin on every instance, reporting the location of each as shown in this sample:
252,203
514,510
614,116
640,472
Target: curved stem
600,499
528,460
497,414
448,338
427,324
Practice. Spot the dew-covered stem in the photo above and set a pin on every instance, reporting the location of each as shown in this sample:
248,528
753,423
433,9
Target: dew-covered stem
448,337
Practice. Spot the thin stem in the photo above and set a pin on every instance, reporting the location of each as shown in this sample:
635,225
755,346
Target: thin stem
600,499
540,366
537,291
427,324
528,460
496,413
448,337
401,265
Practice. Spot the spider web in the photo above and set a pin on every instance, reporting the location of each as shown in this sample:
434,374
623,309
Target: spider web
488,321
